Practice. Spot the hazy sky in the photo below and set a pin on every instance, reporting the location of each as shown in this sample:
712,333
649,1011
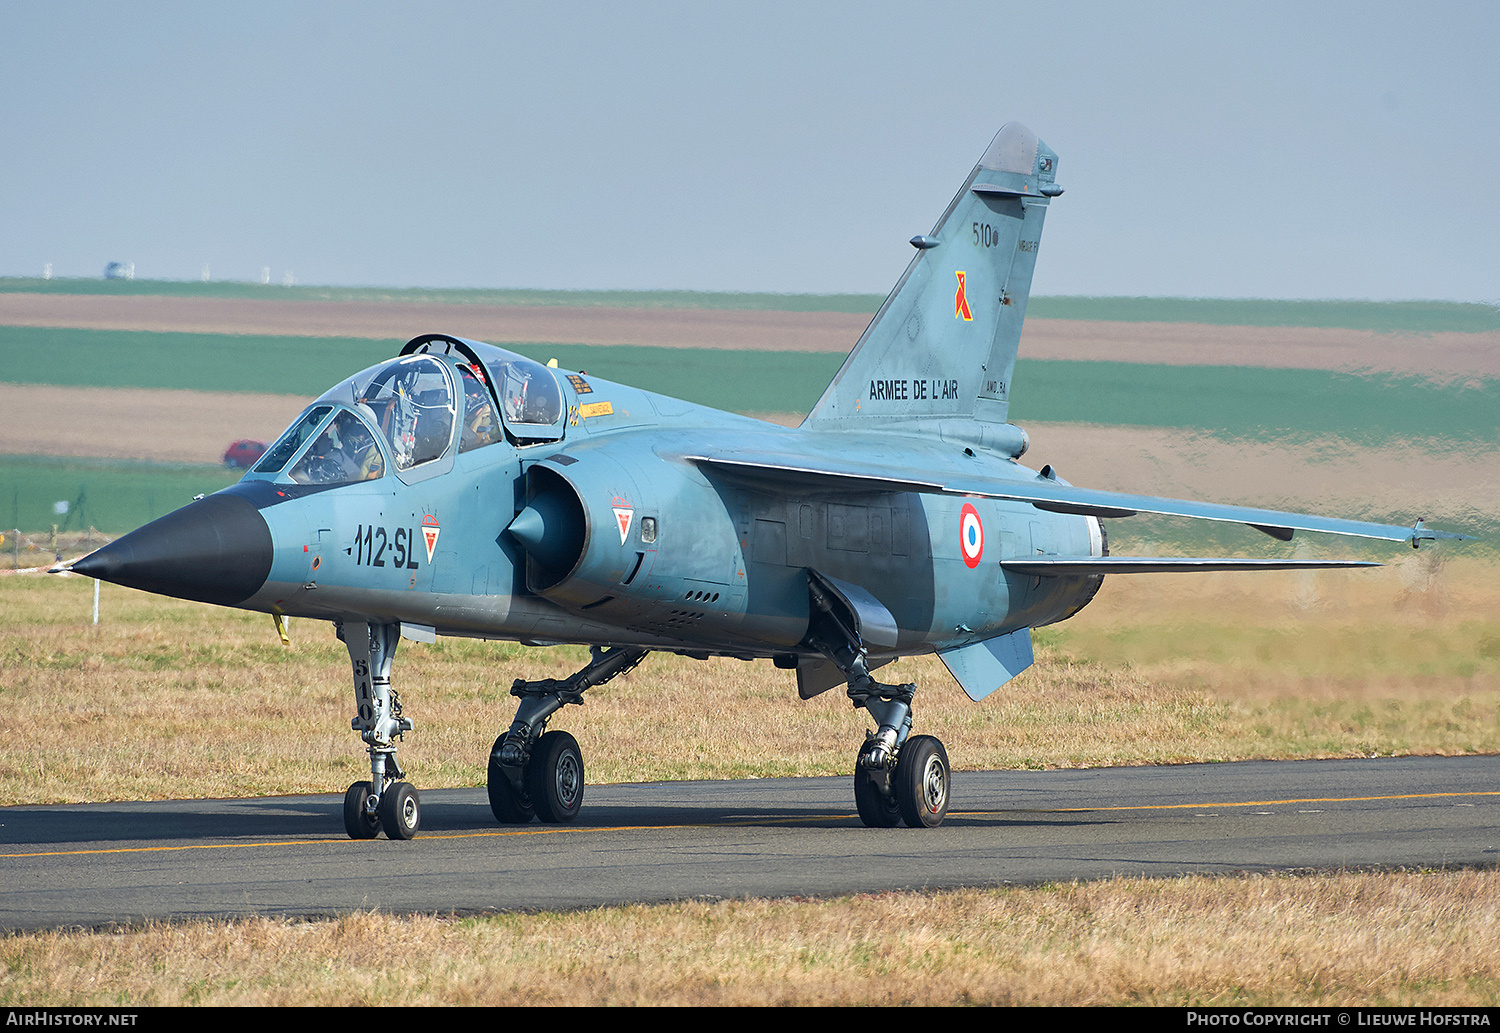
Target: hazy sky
1295,150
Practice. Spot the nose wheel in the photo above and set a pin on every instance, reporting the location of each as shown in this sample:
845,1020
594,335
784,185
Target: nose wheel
360,818
398,811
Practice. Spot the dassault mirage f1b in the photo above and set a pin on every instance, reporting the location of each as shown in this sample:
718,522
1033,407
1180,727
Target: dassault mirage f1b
461,489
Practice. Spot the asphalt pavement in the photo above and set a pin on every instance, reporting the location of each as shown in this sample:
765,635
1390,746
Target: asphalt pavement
96,865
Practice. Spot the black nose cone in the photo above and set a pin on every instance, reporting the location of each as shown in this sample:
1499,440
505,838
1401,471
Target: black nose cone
217,550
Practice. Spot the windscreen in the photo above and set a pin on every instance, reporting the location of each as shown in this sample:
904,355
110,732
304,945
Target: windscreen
344,453
279,454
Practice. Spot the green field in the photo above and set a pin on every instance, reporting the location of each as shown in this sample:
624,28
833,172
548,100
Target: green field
1255,402
1412,317
185,361
1228,400
1391,316
117,496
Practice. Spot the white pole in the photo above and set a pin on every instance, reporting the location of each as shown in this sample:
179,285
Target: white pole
96,602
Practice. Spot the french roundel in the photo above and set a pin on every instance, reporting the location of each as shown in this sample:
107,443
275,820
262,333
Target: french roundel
971,535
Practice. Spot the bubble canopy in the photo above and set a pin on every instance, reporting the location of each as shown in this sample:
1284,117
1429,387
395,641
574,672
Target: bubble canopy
413,402
402,413
529,398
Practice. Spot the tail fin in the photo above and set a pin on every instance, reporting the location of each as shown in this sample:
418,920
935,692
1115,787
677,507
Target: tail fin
943,346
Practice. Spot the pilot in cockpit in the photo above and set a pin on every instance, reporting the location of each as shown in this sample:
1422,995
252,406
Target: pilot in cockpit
363,452
479,415
346,451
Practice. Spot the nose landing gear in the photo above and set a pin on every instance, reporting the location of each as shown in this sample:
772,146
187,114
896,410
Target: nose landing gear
386,801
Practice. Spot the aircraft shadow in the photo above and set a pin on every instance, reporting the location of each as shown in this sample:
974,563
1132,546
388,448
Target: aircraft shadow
181,823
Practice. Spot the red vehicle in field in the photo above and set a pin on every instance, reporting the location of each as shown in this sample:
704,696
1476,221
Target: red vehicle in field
244,454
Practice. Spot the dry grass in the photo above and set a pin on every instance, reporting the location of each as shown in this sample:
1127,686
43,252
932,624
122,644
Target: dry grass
1343,939
175,699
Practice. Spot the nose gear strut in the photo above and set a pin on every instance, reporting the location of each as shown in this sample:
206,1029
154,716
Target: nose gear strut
386,801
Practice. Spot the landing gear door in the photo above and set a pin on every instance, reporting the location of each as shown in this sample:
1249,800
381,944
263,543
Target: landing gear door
873,623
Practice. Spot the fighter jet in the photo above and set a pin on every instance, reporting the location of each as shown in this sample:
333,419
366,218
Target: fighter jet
462,489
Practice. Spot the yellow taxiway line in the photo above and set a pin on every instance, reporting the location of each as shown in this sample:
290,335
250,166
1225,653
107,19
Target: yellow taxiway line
552,829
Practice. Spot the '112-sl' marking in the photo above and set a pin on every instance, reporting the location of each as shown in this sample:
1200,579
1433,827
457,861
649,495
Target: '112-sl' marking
371,544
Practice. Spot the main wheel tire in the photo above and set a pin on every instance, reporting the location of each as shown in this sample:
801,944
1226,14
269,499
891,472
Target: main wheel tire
876,810
509,806
359,822
921,782
400,811
554,778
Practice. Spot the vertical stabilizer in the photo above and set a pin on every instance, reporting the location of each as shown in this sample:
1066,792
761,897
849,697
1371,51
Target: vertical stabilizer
943,345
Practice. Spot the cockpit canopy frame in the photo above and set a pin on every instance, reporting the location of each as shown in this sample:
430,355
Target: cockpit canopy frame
526,393
411,415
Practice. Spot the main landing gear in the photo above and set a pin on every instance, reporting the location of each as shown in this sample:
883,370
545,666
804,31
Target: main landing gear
898,777
386,801
537,774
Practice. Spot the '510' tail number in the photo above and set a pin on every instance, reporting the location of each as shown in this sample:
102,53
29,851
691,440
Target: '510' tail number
376,547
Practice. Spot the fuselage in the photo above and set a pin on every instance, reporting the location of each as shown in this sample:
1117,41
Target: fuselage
619,537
